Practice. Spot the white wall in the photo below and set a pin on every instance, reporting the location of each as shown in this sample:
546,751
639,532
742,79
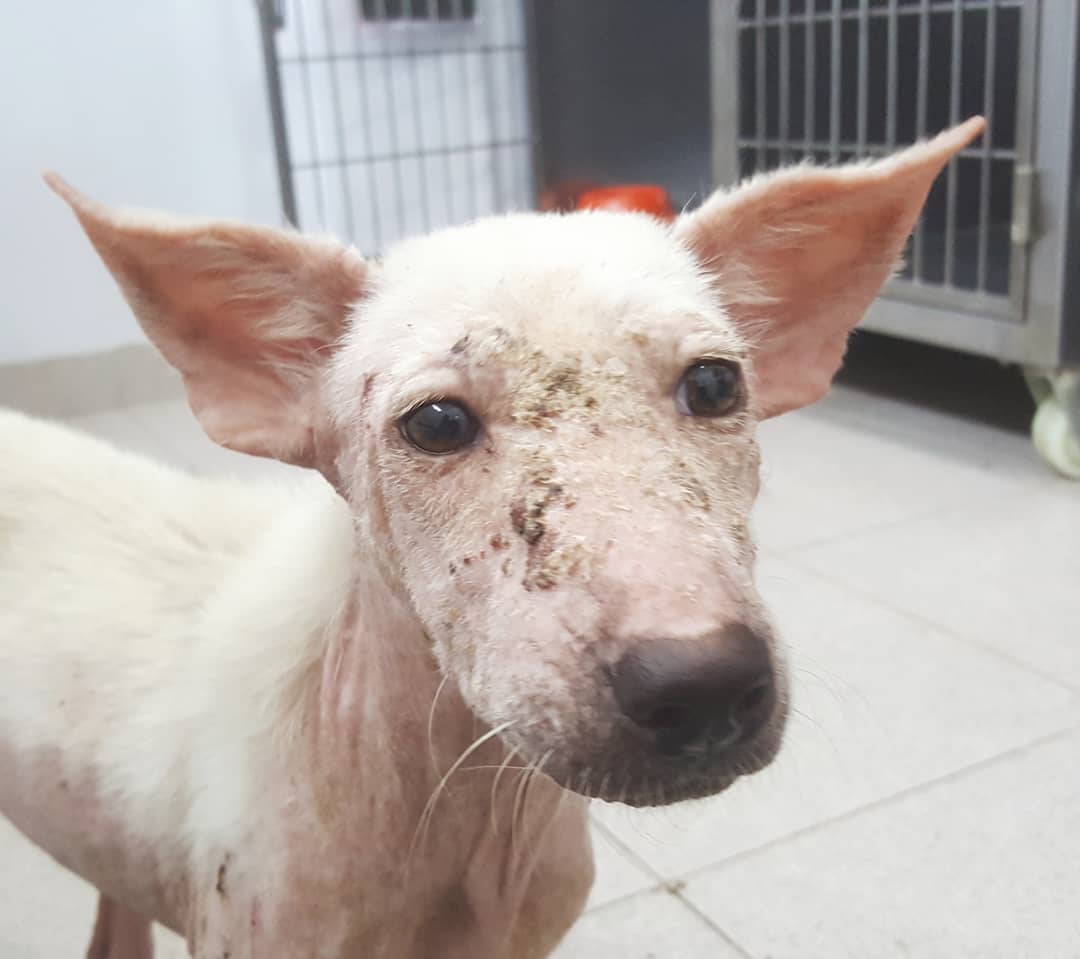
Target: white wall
158,104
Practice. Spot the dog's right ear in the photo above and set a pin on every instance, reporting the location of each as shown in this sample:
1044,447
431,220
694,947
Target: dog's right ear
248,315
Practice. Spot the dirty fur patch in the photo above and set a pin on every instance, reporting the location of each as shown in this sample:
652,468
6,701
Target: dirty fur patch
548,567
527,512
548,562
550,390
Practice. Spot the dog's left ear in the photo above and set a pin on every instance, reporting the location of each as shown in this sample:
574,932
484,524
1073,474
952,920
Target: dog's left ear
797,256
248,315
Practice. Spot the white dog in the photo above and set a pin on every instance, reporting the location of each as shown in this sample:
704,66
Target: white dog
361,717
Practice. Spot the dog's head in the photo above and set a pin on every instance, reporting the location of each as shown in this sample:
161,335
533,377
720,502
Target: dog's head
544,426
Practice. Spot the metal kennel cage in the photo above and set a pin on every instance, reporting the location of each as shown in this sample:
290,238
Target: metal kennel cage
393,117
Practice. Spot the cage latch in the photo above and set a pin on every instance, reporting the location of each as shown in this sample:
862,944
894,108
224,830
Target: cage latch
1022,231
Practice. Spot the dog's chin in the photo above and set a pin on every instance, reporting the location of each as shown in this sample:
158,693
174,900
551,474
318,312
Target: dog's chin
647,789
651,780
651,794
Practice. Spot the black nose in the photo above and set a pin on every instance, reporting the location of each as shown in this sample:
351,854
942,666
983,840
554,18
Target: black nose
717,690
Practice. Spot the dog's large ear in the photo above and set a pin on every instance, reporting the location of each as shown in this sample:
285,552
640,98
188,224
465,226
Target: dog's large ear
797,256
248,315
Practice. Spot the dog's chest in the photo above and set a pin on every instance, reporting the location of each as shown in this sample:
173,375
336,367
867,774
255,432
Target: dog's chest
341,869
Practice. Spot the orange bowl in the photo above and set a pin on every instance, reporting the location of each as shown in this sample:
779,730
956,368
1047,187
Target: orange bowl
629,198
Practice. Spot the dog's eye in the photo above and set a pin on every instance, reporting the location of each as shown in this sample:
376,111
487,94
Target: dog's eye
440,427
710,388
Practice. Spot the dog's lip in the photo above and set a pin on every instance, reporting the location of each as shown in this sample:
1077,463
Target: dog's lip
669,793
656,781
650,778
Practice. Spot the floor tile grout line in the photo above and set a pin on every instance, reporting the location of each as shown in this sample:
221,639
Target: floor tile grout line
803,566
627,853
885,525
713,925
660,884
671,887
882,802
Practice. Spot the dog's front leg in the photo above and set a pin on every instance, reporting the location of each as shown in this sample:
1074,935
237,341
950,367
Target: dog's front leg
120,933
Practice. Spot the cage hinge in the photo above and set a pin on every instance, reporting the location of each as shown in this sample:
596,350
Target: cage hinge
1025,185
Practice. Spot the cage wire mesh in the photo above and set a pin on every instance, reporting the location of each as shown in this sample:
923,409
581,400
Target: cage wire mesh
402,116
832,80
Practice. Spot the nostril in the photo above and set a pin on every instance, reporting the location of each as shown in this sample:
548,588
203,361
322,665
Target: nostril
669,717
749,709
752,700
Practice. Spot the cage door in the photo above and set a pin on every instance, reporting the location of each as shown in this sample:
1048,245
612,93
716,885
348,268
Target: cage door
836,80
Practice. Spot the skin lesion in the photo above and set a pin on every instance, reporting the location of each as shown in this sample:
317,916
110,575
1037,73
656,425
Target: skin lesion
549,562
572,560
222,874
527,512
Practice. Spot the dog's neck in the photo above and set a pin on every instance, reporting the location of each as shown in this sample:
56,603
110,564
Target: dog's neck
380,742
379,709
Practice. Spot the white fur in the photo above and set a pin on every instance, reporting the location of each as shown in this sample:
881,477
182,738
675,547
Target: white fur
145,591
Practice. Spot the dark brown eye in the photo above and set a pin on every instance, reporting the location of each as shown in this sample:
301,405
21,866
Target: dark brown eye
710,388
440,427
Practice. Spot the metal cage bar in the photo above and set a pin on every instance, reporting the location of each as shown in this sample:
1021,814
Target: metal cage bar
863,81
987,151
955,74
785,81
836,60
890,77
270,19
918,241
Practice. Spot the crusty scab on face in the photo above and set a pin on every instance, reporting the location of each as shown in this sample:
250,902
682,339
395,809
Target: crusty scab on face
548,561
546,389
539,492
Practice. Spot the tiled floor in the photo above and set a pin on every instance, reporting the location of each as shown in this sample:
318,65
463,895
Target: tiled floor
925,569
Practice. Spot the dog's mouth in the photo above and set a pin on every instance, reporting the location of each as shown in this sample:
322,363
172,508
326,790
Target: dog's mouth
633,773
644,790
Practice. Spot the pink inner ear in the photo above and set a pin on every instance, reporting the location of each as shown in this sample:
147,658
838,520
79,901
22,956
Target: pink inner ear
799,255
249,321
821,283
247,315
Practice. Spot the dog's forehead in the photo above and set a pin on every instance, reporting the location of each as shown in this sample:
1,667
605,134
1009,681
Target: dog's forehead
563,279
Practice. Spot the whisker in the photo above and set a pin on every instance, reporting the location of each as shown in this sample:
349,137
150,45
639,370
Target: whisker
523,779
424,822
522,791
467,769
602,790
495,786
529,790
564,795
431,726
